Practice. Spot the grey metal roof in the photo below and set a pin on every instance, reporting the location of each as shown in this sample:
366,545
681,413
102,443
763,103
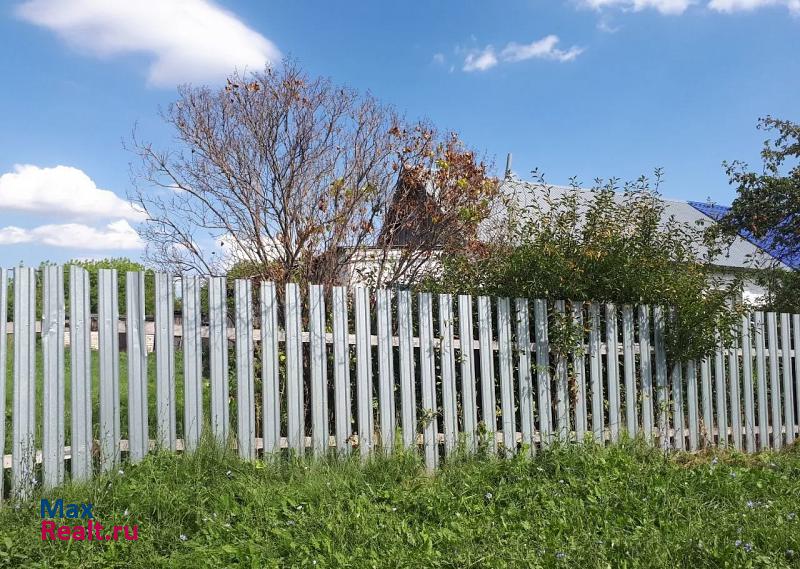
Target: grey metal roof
740,254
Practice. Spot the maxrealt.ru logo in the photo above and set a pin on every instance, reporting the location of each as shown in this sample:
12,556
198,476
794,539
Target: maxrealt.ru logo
92,531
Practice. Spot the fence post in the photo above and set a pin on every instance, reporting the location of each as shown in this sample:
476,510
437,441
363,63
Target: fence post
165,360
747,372
562,386
796,333
80,324
108,347
543,371
735,394
448,368
525,386
3,364
138,436
691,393
786,368
579,363
245,385
294,372
24,412
192,362
270,388
341,359
761,374
629,363
662,393
506,375
646,372
364,372
469,401
218,357
386,370
598,429
53,388
319,371
430,430
774,384
488,412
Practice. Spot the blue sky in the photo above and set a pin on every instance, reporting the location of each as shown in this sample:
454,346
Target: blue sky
586,88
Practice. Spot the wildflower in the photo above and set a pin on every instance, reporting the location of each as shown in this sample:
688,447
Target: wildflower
183,537
488,496
121,472
790,553
714,461
126,512
394,509
290,523
737,543
748,547
561,481
792,516
228,474
300,507
733,475
560,555
751,504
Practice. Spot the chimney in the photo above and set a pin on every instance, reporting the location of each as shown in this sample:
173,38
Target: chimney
508,166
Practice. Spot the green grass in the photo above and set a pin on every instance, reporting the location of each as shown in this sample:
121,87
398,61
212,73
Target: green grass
626,506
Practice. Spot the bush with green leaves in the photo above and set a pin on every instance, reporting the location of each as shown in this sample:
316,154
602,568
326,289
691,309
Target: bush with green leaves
613,244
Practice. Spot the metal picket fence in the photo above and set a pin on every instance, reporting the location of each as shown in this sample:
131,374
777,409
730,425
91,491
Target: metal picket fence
337,370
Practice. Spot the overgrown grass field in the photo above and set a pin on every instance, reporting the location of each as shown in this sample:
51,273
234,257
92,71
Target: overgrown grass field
625,506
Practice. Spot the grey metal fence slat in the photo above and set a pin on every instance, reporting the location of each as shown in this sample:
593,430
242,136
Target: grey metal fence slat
80,324
595,370
562,385
786,369
386,406
428,381
467,353
707,430
691,395
506,375
245,375
364,372
679,436
192,361
761,375
488,404
341,363
525,385
796,336
218,357
747,384
646,368
23,444
734,392
579,366
138,432
108,348
543,371
53,311
448,370
774,383
662,393
722,395
629,368
612,371
165,360
319,371
3,367
295,405
270,369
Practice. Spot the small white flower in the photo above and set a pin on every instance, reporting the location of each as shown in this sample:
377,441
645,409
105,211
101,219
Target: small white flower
126,512
228,474
488,496
183,537
715,461
394,509
300,507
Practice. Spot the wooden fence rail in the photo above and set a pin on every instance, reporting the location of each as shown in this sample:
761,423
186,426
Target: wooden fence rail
333,370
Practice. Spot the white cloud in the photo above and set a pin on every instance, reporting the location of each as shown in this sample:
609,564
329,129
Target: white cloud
438,58
188,40
545,48
747,5
480,60
673,7
62,191
114,236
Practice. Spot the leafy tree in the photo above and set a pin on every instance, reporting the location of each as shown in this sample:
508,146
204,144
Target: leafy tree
613,247
767,206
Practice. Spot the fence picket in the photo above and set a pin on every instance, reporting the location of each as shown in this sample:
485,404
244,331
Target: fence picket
319,371
165,360
761,374
629,367
646,371
579,365
721,392
506,375
245,385
295,404
679,437
796,336
747,384
192,361
80,324
3,368
386,369
562,385
735,395
489,405
774,384
525,386
467,353
218,357
612,371
408,396
595,368
691,394
138,437
543,371
448,370
53,310
786,368
707,430
662,394
24,413
364,372
430,429
341,375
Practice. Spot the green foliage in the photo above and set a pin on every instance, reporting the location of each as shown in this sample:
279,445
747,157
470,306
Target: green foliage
576,506
767,205
613,246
